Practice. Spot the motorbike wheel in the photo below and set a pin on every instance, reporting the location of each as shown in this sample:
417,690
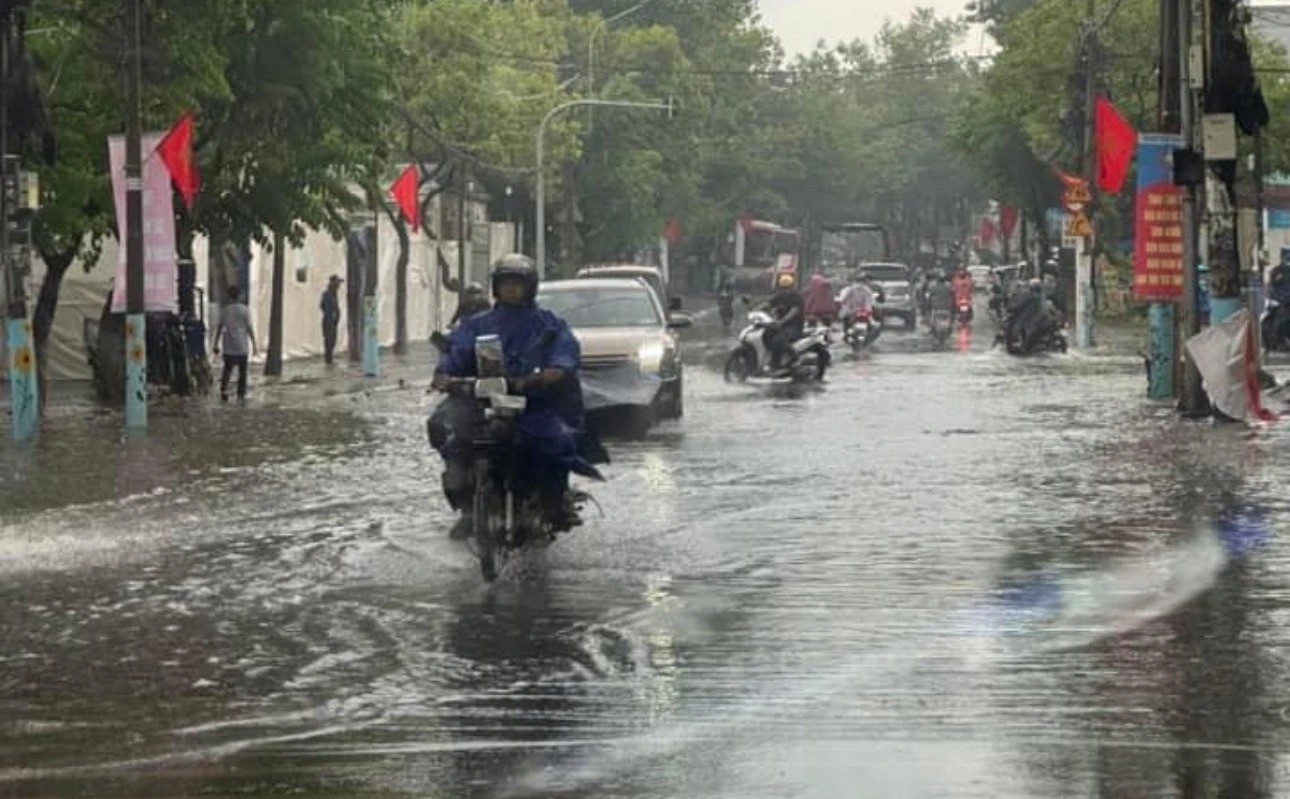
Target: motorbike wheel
486,509
739,366
822,361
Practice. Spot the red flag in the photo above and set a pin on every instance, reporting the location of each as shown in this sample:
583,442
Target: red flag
1116,141
404,192
672,231
176,152
986,234
1007,220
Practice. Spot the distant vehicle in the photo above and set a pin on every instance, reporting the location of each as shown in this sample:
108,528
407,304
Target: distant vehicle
980,276
761,251
631,358
897,286
652,275
842,248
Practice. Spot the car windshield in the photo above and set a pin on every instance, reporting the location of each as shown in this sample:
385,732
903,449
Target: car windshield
885,274
601,307
651,278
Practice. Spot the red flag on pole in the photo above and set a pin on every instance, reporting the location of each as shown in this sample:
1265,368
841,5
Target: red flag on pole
986,233
176,152
404,192
1116,142
1008,221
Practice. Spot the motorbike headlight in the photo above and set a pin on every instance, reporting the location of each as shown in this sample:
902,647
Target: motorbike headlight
650,357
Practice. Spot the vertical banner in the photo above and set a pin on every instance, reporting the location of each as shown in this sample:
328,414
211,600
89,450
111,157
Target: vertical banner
159,259
1158,231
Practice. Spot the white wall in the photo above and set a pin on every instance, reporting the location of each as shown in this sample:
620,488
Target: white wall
429,307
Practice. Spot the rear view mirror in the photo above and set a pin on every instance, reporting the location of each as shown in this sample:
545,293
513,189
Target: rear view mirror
680,321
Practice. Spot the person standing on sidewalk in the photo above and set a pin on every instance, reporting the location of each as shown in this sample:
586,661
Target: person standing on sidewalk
238,340
330,307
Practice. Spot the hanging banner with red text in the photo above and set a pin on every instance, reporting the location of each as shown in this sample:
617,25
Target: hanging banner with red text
160,270
1158,222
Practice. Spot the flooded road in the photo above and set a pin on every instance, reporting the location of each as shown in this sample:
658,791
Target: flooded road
945,573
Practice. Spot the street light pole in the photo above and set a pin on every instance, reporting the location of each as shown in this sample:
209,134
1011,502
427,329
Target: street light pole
541,160
600,28
136,350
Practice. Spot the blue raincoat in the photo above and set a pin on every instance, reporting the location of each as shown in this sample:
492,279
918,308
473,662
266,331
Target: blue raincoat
554,419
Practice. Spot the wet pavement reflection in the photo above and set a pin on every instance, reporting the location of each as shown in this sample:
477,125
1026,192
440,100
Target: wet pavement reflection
947,572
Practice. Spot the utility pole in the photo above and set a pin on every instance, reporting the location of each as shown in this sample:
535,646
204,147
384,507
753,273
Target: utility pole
1255,279
1084,251
23,390
371,301
136,348
1162,320
1192,398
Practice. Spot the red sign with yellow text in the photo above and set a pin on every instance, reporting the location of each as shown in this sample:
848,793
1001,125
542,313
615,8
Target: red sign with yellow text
1158,222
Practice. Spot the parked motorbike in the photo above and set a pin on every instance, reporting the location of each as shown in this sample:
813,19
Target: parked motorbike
508,513
940,324
750,358
862,330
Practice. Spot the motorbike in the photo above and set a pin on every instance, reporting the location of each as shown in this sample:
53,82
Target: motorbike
750,358
940,323
1275,326
508,513
1031,329
963,311
862,329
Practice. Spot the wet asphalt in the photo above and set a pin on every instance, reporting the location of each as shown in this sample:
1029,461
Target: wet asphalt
946,572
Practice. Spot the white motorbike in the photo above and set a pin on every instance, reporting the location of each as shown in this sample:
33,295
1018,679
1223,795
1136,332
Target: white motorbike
751,358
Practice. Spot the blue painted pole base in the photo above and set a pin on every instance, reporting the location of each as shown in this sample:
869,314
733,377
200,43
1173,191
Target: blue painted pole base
371,338
1160,318
136,373
24,401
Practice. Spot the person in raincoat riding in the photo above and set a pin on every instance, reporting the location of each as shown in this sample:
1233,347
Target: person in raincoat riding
542,359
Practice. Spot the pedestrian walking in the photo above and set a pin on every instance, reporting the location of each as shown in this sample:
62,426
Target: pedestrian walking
238,340
330,307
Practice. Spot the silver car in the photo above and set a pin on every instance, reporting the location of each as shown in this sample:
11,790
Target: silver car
897,287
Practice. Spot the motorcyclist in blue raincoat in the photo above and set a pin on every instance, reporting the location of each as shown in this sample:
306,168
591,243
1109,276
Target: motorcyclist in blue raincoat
542,359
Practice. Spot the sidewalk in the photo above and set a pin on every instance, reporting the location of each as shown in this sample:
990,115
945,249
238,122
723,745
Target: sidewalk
344,377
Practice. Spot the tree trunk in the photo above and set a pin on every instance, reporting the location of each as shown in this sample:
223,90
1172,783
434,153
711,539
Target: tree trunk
401,289
401,280
273,363
57,262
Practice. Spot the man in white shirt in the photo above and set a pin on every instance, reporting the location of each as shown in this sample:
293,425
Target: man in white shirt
856,297
238,340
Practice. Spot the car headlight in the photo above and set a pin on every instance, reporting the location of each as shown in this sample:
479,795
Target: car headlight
650,357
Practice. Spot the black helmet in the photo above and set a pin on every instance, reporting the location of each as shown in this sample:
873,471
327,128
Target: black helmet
517,266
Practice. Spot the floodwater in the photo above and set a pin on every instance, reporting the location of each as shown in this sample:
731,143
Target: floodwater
945,573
